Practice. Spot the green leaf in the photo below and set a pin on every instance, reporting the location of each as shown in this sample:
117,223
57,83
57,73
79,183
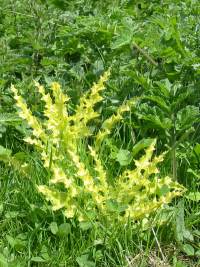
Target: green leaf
44,253
16,243
12,214
64,229
9,119
194,196
188,235
197,253
85,225
188,249
159,101
180,222
197,149
4,153
124,38
54,228
186,117
178,263
37,259
144,143
165,215
84,262
123,157
163,190
114,206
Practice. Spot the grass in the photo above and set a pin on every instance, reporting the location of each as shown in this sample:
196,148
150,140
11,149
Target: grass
33,235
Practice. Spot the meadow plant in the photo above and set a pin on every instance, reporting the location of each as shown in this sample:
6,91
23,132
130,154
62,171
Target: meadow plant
79,185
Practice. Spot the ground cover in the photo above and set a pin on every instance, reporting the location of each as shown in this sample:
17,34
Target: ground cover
150,51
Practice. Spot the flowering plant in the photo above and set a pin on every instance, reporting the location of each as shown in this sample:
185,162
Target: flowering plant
83,190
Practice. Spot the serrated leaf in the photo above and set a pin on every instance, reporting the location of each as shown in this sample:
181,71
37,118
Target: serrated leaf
9,119
159,101
124,38
194,196
186,117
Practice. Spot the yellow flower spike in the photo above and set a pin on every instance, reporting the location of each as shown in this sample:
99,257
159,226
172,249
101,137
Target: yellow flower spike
55,86
70,211
26,114
40,88
58,94
60,177
99,168
56,198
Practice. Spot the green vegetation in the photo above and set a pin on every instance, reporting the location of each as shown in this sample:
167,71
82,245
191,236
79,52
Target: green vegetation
108,176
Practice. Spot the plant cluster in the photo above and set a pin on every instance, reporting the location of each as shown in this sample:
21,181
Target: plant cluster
133,195
93,153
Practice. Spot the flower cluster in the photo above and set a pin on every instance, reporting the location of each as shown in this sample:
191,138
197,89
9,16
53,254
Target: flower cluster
78,185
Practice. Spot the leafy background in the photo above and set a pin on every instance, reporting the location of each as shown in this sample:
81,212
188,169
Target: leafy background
152,48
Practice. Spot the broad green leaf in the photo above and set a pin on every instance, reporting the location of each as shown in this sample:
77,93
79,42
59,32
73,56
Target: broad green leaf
166,215
179,263
84,262
64,229
124,157
85,225
163,190
11,241
4,153
188,235
188,249
164,86
114,206
54,228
